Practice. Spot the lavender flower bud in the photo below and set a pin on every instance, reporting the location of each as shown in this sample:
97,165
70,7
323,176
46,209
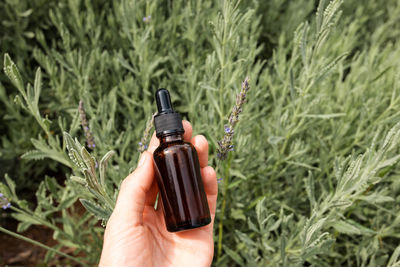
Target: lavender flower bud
4,203
226,144
146,19
146,134
84,123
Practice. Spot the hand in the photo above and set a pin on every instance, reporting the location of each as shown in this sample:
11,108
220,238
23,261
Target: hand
136,234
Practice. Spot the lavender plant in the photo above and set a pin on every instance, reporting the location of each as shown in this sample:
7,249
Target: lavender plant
312,180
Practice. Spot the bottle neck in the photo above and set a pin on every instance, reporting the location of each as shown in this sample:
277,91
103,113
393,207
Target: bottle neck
171,138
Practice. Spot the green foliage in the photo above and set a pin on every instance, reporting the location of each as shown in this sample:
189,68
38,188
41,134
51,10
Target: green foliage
313,178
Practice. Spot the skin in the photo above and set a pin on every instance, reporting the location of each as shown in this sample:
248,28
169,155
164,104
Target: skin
136,234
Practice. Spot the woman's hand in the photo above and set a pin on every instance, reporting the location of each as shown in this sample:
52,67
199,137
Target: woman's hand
136,234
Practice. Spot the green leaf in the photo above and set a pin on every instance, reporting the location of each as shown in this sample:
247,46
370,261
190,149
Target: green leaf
309,185
89,160
320,15
95,209
234,256
260,210
237,173
66,203
283,240
34,155
245,239
351,228
376,198
23,226
12,73
394,259
10,183
323,116
51,185
78,179
303,46
325,70
238,214
69,142
22,217
213,101
37,86
73,151
346,228
103,166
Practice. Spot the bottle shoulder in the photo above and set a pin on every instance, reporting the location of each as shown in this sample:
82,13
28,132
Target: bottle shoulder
172,147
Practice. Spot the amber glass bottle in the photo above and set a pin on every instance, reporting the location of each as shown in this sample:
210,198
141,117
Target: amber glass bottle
178,175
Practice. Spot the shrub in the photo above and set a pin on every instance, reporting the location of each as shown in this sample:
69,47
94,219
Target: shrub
312,178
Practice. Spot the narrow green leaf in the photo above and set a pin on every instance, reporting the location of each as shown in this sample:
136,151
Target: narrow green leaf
78,179
51,185
309,184
245,239
103,166
66,203
23,226
34,155
320,15
13,74
394,259
234,256
323,116
351,228
22,217
95,209
10,183
89,160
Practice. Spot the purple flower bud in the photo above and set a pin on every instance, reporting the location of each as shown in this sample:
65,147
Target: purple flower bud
4,203
225,145
84,123
219,180
144,19
143,142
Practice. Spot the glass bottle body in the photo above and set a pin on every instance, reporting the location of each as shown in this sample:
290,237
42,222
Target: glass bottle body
184,201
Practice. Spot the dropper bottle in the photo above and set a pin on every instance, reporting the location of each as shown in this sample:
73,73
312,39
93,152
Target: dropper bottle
184,201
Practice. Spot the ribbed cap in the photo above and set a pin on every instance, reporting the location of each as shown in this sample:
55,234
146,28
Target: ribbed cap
167,121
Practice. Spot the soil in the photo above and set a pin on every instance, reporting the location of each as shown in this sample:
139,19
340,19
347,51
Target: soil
15,252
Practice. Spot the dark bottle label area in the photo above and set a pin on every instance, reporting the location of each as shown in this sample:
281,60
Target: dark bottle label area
181,187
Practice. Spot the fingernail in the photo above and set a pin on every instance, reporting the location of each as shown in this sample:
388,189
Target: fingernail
142,159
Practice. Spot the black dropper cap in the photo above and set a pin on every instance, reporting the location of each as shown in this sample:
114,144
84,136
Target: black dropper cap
167,121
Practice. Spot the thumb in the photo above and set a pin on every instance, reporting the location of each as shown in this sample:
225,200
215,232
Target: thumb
132,195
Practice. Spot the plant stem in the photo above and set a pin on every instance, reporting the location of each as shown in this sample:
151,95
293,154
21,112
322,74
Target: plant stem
222,214
41,245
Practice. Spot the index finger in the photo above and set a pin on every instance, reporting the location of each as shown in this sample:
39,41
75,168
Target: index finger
201,145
